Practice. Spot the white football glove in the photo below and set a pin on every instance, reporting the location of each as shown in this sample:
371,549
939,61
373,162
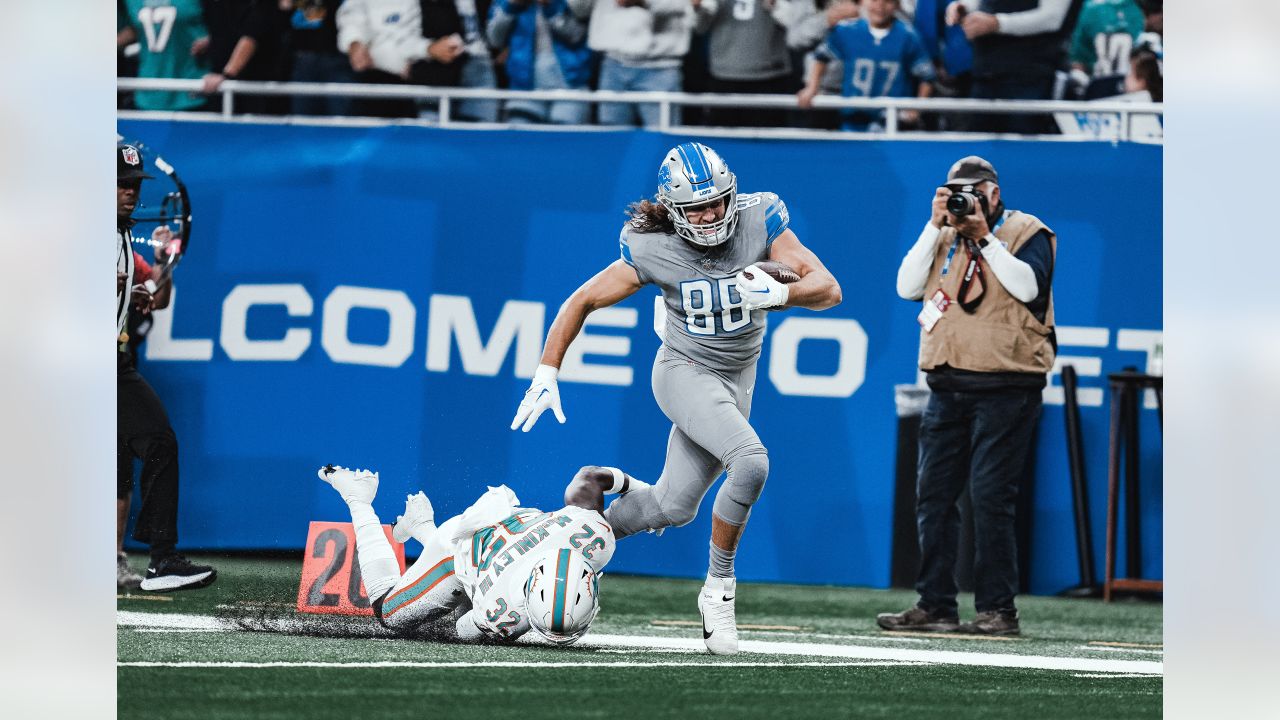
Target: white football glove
543,393
762,291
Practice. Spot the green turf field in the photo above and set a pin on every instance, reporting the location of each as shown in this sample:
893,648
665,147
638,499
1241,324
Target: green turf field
189,655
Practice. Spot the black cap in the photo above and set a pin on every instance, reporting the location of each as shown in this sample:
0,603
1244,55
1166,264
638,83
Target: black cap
129,165
971,171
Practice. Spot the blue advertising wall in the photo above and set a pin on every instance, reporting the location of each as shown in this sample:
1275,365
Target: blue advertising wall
296,225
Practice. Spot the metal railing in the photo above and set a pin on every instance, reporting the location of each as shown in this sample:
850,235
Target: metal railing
447,97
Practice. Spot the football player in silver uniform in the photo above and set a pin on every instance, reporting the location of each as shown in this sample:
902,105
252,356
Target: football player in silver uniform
699,243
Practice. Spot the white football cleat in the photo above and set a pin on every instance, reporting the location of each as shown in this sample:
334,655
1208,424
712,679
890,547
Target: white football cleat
355,486
418,520
719,625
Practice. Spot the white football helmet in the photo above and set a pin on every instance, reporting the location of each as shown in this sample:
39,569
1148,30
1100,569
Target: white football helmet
691,175
562,596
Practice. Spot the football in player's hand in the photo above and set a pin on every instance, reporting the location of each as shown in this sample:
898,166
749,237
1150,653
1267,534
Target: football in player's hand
776,270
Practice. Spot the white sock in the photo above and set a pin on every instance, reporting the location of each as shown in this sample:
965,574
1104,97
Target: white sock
378,565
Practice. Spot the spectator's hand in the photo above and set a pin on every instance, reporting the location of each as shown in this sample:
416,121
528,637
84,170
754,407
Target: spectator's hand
977,24
940,214
142,299
955,12
199,45
121,279
805,97
841,10
973,225
211,83
446,49
909,117
358,55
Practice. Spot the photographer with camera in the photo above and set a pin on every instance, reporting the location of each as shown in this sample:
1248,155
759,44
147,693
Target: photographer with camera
986,344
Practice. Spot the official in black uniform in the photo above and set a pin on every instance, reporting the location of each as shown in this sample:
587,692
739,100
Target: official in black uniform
142,426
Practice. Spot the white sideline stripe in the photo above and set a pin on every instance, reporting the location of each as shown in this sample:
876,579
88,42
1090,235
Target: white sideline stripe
694,645
505,664
1103,648
1110,675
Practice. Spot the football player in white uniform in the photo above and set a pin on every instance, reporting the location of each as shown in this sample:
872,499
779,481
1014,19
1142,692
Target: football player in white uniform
496,570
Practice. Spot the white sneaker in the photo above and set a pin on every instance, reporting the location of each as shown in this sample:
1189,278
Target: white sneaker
358,486
719,626
418,520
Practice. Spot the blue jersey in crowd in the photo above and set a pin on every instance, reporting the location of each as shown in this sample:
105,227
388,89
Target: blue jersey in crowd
890,66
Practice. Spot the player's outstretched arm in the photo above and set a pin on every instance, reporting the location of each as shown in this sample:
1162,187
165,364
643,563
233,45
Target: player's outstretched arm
817,288
592,483
609,286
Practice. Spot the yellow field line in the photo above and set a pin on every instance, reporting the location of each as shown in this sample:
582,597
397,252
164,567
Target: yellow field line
157,598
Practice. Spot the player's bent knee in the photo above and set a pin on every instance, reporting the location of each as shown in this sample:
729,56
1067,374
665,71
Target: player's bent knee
676,516
747,476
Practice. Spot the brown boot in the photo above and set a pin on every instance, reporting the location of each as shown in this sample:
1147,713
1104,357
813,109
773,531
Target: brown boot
918,619
993,623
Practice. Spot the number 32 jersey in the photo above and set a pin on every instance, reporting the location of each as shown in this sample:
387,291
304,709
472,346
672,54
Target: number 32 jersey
706,321
494,563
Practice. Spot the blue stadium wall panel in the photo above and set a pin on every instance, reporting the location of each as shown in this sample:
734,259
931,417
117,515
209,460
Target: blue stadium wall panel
378,297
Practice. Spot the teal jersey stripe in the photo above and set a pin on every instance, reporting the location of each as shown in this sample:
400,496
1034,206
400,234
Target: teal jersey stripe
418,589
562,583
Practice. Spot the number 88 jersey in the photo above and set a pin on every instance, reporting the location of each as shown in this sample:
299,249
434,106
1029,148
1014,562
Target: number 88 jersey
495,562
705,319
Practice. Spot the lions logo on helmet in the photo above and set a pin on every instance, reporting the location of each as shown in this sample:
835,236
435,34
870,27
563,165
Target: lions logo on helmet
562,596
693,175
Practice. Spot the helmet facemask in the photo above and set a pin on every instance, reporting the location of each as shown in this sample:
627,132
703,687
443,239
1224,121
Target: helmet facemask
692,176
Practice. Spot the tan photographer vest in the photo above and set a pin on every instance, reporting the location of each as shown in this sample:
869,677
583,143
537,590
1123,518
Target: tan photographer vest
1001,335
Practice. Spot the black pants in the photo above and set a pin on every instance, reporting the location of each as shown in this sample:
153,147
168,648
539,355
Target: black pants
1000,87
143,431
982,438
752,117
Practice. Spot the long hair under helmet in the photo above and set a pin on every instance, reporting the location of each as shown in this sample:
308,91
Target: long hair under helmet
691,175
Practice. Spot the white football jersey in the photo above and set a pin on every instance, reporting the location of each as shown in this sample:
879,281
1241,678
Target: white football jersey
494,563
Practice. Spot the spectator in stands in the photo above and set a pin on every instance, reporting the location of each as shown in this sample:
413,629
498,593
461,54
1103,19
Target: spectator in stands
644,43
172,42
1141,82
383,39
313,43
1018,48
546,50
748,55
1104,37
807,24
987,343
952,58
243,45
882,57
422,42
477,62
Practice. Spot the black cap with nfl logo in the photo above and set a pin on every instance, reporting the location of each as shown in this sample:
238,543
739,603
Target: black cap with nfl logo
129,163
971,170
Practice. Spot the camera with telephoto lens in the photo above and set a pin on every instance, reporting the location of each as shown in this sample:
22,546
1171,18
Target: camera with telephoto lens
963,203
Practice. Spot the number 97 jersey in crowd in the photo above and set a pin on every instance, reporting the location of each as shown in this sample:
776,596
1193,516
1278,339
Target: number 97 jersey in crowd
705,319
535,566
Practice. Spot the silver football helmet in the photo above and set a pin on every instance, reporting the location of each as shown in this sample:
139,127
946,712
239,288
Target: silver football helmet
693,175
562,596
